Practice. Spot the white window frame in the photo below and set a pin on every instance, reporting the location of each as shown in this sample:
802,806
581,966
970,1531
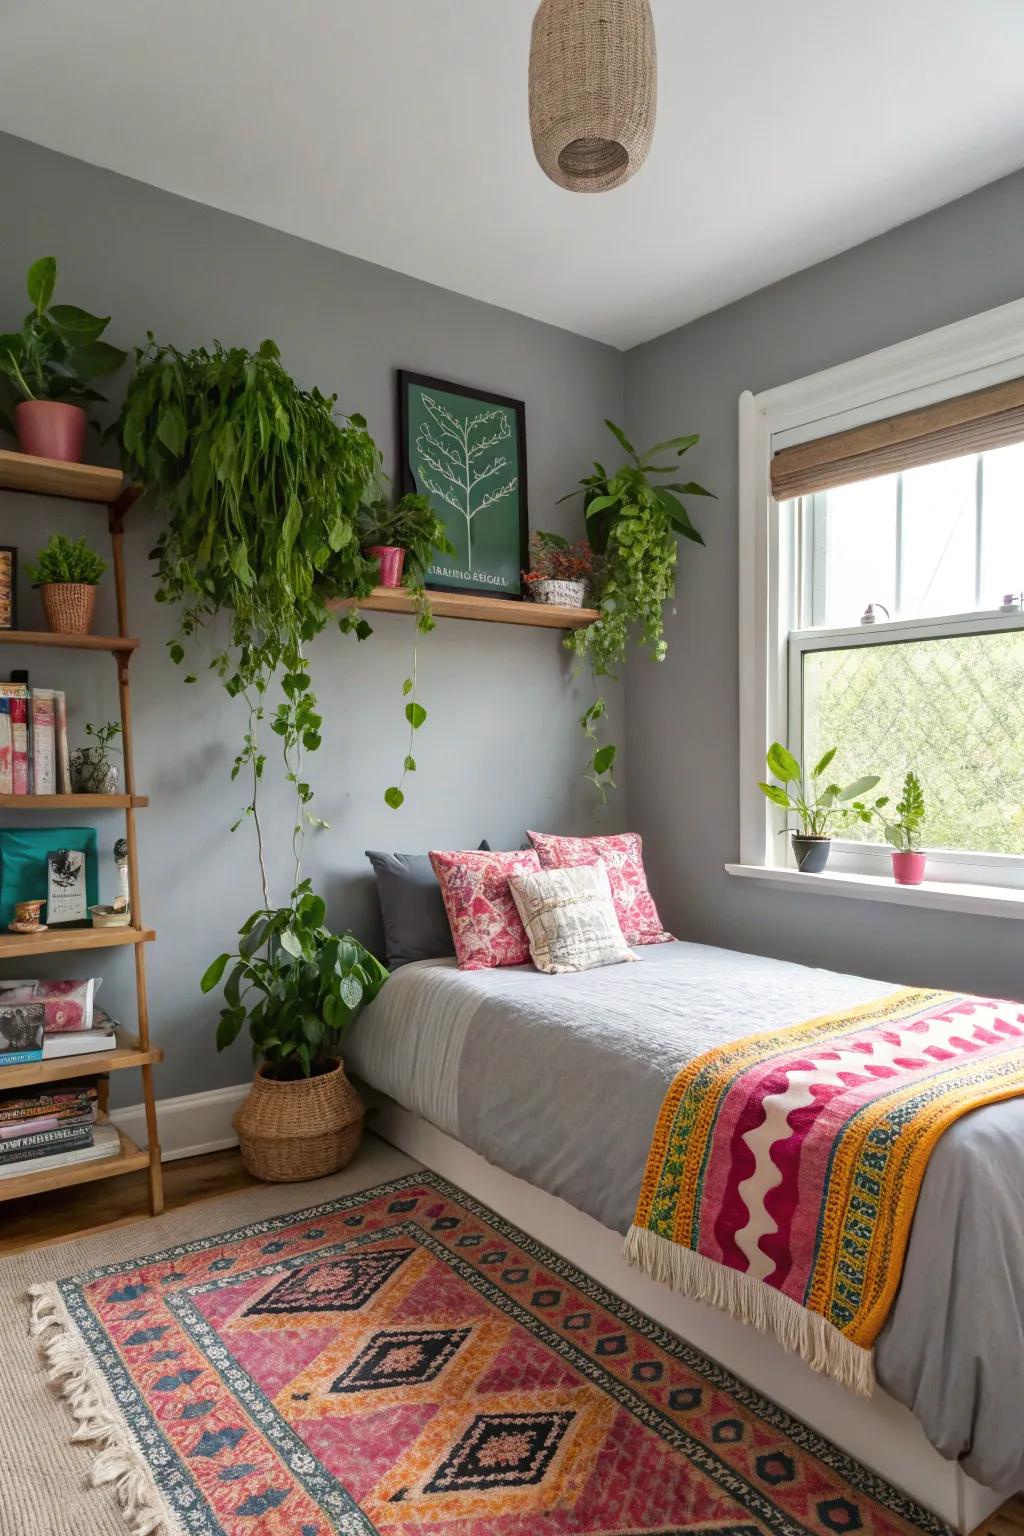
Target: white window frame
972,354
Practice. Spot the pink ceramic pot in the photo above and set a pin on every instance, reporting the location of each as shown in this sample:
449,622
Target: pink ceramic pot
51,429
391,561
908,868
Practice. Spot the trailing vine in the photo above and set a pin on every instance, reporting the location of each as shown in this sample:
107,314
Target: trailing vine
260,483
634,523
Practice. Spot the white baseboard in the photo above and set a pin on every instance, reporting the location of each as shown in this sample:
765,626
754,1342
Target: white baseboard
189,1125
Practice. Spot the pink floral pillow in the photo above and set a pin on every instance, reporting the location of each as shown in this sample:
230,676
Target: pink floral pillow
622,856
485,922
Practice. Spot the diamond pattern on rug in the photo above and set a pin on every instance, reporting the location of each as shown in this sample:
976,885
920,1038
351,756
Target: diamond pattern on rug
400,1357
341,1285
405,1363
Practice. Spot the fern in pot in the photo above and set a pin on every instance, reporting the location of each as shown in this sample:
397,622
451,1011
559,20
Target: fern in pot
560,573
820,805
67,574
92,772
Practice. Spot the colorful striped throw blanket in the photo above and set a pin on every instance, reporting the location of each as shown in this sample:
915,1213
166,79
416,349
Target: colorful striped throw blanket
785,1168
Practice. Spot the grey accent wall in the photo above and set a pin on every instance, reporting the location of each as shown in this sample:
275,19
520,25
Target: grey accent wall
501,749
682,721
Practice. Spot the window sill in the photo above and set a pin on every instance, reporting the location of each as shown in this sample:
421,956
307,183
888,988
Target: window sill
933,895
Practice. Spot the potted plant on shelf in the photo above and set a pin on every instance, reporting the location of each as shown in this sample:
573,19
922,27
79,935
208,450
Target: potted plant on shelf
404,535
819,809
298,986
560,572
92,772
904,833
46,366
67,573
634,521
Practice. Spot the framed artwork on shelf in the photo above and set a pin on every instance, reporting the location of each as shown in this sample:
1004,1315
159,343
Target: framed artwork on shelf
8,587
466,450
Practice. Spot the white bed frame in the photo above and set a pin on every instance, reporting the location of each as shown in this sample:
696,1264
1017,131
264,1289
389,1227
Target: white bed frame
880,1432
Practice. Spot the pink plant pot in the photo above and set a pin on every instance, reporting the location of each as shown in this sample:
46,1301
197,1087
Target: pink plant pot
908,868
51,429
391,561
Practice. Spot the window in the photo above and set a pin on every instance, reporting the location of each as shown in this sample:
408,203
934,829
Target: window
914,508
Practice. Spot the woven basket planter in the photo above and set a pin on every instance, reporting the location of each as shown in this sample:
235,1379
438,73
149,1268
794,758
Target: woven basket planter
301,1129
564,594
68,606
593,91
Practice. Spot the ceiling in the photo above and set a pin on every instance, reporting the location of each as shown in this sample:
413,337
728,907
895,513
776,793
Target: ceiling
397,130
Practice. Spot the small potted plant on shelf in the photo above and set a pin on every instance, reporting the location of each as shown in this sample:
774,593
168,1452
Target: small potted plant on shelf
299,986
904,833
92,772
560,572
820,809
67,573
46,366
402,535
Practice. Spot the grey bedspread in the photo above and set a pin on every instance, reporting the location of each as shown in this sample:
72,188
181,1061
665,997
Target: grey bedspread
559,1079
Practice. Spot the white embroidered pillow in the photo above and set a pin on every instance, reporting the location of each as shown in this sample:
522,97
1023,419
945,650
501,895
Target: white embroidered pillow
569,917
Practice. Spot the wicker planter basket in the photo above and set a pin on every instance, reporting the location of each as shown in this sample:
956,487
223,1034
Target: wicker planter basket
68,606
302,1129
563,594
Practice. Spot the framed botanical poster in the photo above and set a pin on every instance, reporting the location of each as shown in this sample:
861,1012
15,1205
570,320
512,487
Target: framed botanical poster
8,587
466,450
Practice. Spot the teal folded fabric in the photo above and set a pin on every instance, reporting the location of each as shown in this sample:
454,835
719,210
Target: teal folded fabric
23,867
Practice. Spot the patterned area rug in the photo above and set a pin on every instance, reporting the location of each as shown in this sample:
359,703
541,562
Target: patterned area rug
404,1362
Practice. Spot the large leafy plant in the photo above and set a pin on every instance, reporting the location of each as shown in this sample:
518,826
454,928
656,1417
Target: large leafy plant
58,348
635,520
259,482
904,830
298,986
820,808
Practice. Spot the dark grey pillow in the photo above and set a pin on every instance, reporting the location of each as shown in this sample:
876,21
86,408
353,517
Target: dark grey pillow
416,924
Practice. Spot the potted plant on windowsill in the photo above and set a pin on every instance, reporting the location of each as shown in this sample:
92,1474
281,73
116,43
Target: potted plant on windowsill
820,810
560,572
904,833
298,986
402,536
46,365
67,573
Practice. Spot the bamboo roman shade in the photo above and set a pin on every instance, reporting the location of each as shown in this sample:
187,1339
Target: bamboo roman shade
988,418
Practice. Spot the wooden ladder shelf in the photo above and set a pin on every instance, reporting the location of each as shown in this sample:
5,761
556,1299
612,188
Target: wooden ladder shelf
106,487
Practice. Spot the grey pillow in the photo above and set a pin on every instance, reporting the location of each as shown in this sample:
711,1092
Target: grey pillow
416,924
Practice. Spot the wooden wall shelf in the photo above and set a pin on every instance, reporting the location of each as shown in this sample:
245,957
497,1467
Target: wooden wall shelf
118,644
459,605
128,1160
73,802
56,940
126,1054
52,477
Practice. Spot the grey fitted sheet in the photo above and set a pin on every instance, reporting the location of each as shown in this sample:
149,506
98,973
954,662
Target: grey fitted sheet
559,1080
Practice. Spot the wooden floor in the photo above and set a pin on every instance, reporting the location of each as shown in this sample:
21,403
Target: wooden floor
112,1202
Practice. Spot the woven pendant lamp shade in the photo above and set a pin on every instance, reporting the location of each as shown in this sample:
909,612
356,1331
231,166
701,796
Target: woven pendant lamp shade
593,90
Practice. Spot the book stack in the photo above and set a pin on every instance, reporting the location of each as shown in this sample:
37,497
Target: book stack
52,1128
36,1025
34,758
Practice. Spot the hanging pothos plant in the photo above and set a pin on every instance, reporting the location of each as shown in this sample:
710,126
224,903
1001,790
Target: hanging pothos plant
634,522
260,483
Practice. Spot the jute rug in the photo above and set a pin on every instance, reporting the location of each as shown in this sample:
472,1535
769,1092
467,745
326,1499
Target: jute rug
380,1355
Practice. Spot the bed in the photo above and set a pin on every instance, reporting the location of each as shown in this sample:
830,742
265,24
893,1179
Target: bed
555,1083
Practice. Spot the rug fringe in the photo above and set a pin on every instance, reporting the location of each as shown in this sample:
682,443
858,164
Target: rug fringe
73,1371
798,1330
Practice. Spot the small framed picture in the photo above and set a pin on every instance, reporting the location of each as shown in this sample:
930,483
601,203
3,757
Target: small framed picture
66,900
8,587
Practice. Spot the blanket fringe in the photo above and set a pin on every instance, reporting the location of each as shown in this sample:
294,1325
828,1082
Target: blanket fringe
75,1374
798,1330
